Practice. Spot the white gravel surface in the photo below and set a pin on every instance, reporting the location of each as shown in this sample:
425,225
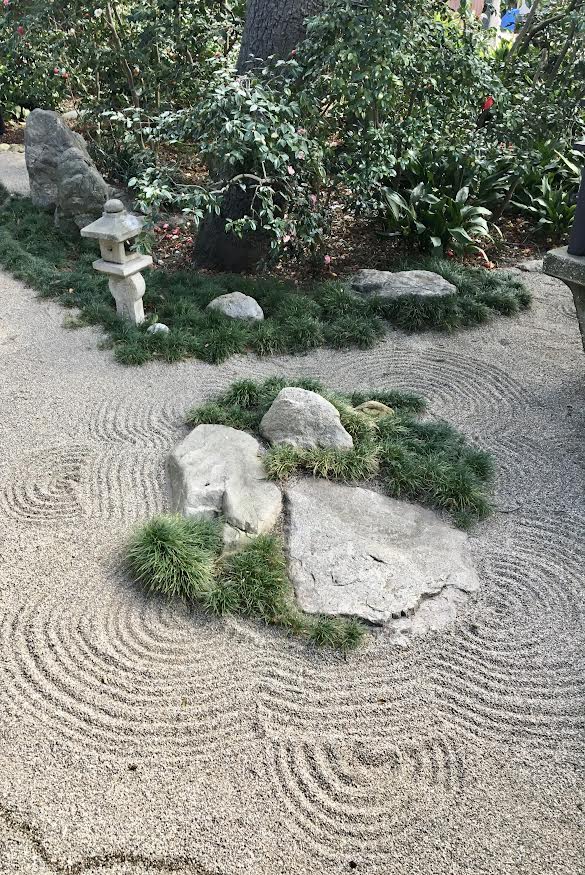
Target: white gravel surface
137,737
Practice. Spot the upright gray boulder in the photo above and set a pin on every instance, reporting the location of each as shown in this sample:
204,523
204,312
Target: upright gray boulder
46,138
81,191
62,175
305,419
218,471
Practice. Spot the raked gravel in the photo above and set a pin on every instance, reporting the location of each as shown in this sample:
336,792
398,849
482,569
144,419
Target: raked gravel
136,736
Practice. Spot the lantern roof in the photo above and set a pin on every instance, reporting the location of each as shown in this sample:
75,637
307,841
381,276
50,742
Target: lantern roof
115,226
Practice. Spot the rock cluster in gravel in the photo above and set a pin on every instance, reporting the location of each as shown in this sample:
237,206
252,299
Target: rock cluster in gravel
352,551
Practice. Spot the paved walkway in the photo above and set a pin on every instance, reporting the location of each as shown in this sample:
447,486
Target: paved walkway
136,737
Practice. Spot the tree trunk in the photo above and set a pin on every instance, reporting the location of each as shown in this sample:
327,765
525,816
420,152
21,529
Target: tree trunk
272,27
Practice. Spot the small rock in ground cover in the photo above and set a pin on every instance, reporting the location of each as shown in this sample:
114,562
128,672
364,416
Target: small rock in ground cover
375,409
356,552
158,328
386,284
218,471
238,306
301,418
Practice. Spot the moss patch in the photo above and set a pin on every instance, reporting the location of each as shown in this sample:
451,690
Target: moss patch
297,320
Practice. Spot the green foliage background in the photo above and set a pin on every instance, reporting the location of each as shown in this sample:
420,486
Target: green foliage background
381,99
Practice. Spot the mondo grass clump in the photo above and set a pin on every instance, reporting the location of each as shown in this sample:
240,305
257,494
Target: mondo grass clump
176,557
402,453
297,320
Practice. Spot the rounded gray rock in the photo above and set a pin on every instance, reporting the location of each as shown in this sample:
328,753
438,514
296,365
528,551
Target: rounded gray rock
236,305
389,284
158,328
304,419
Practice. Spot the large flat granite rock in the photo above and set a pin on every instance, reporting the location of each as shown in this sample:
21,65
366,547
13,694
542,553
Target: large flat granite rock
356,552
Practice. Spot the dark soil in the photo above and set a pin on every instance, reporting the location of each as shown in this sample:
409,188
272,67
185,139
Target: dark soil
14,133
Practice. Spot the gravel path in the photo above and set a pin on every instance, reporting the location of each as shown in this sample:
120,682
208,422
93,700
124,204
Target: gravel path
136,737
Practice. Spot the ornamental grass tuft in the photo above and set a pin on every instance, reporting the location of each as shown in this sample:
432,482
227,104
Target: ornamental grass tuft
174,556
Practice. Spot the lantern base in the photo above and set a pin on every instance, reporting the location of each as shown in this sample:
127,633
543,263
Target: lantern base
128,294
571,270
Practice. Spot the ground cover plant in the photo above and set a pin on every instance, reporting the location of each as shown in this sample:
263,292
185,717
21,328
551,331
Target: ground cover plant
178,557
406,455
297,320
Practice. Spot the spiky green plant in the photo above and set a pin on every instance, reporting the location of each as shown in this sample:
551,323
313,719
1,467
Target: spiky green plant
174,556
339,633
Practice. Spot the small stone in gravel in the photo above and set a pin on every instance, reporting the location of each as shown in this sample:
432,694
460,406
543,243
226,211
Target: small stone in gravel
388,284
304,419
238,306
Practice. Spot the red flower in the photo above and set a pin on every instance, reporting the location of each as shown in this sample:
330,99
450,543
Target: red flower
20,30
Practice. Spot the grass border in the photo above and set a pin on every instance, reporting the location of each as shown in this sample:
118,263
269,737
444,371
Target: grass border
297,320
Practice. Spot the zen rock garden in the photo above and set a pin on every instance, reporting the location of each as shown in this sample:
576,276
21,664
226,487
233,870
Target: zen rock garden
292,470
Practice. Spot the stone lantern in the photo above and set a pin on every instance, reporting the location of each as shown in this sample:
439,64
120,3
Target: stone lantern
568,262
115,230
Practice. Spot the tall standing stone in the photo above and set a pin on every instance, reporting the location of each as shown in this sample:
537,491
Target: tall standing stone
62,175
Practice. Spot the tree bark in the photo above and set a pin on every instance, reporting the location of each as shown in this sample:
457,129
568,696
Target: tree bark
272,27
